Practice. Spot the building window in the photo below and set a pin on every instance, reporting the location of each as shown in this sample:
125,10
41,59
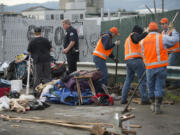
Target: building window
75,17
52,17
47,17
33,17
81,16
61,17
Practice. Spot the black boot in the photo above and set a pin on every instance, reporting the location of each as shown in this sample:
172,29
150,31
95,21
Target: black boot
158,101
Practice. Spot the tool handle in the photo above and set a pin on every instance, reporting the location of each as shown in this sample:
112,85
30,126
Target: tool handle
126,107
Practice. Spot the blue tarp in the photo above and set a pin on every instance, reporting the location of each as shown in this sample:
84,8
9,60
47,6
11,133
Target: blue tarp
66,96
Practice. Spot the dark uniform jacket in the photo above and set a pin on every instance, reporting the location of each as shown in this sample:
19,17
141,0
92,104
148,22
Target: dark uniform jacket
71,35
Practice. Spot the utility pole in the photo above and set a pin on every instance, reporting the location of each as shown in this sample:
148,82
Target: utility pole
155,7
155,10
162,6
2,31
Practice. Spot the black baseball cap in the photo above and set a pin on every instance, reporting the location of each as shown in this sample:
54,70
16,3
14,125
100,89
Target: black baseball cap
37,30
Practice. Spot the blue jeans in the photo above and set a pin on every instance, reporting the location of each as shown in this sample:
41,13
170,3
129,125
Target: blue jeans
101,65
156,78
173,59
134,66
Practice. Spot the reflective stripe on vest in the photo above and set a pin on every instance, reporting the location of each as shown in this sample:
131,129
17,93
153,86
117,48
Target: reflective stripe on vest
175,47
100,51
157,52
134,54
100,54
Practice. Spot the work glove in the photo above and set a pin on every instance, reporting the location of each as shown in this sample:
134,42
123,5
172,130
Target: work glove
117,42
116,60
146,29
171,26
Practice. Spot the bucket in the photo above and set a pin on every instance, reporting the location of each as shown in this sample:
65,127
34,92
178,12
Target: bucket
16,85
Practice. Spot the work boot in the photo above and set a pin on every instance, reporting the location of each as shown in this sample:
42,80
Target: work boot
124,101
145,102
152,106
158,102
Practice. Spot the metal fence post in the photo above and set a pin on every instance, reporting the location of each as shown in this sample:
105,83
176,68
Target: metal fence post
2,30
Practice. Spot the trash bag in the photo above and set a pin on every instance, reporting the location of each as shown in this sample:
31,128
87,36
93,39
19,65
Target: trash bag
38,105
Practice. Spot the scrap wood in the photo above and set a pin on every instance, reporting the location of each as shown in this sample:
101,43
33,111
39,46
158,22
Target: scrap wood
47,122
125,131
135,126
90,126
168,102
83,125
15,126
127,117
97,130
136,100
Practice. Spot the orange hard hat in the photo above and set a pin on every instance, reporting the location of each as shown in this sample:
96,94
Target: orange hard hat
164,20
153,26
115,30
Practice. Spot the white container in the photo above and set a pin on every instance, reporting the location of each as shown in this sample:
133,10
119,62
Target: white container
16,85
116,123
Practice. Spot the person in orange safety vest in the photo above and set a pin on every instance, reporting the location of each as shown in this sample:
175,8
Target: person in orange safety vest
134,64
104,50
173,51
155,56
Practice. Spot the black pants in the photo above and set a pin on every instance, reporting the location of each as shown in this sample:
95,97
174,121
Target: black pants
72,59
42,72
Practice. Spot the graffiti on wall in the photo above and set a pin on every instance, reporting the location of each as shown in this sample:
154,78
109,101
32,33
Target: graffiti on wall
48,32
90,43
17,41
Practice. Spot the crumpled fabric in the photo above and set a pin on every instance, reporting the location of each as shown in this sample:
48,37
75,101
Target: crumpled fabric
19,105
4,103
63,95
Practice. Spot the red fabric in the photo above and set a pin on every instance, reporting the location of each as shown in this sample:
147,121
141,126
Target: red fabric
4,91
97,99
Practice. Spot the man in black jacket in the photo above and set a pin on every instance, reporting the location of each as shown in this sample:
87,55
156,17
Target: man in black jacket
39,49
134,64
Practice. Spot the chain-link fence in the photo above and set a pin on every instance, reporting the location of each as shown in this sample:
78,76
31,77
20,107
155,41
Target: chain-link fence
16,33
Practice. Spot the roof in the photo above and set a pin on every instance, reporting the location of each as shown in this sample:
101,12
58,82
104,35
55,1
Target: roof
12,14
36,8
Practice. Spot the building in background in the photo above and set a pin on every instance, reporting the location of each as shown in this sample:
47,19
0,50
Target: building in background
43,13
91,6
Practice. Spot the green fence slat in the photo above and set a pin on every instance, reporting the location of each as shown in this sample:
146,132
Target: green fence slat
125,26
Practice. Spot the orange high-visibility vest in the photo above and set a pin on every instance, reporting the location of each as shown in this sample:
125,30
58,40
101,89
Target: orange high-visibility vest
100,51
175,47
153,52
132,50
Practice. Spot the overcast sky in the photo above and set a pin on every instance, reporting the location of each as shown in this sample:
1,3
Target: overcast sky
14,2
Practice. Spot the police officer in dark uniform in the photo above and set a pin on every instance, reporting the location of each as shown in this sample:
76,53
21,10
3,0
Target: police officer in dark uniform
71,46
